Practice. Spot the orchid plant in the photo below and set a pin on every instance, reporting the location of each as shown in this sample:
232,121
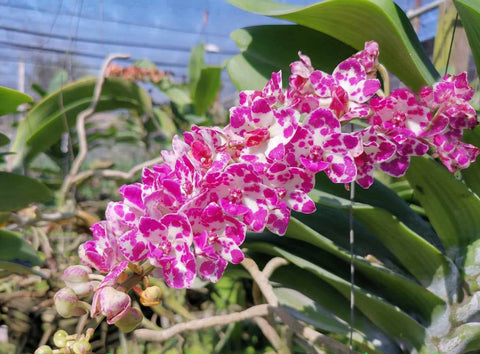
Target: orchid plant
189,215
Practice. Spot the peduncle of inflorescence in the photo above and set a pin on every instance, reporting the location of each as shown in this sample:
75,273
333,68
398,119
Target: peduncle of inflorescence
189,216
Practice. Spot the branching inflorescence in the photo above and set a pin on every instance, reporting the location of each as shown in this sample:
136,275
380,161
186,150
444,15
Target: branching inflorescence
188,217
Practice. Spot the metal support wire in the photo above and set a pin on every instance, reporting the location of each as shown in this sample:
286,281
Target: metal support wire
451,44
352,265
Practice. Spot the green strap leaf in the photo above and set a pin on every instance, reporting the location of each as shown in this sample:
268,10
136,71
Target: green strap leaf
394,287
17,191
307,310
207,88
195,66
451,207
324,307
175,94
48,120
387,317
11,99
165,122
261,53
381,196
471,175
469,11
425,262
355,22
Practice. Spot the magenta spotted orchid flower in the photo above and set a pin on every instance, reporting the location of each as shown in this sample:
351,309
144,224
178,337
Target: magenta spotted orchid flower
345,92
188,217
321,146
264,128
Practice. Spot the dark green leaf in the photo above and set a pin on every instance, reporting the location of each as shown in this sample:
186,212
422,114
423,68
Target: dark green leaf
469,11
39,89
4,215
330,312
261,53
395,287
355,22
17,191
11,99
450,206
7,268
425,262
4,140
472,174
6,153
380,196
14,249
307,310
387,317
207,88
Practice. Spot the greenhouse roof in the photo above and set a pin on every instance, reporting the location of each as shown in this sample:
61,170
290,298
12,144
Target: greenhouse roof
40,32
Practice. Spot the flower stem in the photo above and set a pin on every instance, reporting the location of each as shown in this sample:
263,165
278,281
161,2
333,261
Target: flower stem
386,79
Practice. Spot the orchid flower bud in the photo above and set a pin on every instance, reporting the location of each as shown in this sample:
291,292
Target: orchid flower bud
151,296
130,320
60,338
111,303
82,346
44,349
67,303
77,278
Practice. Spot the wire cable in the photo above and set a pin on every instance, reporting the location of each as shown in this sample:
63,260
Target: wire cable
157,27
83,54
109,42
451,44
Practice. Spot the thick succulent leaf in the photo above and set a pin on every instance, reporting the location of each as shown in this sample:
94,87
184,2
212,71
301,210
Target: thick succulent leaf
450,206
4,140
207,88
261,53
17,191
425,262
469,11
325,308
306,310
355,22
381,196
387,317
15,250
11,99
394,287
471,175
334,223
46,122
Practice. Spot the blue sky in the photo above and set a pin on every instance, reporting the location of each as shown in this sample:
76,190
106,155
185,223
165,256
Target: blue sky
162,30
